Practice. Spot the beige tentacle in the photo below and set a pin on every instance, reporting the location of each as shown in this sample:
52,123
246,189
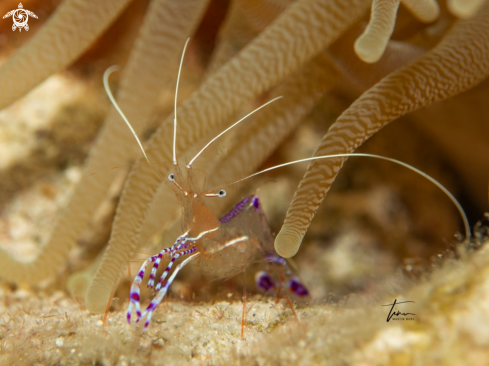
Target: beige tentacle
260,138
464,8
426,11
458,63
299,33
235,33
370,46
167,26
246,19
67,34
261,12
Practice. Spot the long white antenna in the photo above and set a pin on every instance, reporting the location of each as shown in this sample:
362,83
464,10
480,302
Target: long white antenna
176,94
227,129
433,180
107,73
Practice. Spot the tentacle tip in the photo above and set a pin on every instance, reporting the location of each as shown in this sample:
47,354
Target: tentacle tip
287,243
427,13
464,9
367,51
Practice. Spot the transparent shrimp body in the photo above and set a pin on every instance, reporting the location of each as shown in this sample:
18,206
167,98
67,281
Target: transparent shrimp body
223,247
220,247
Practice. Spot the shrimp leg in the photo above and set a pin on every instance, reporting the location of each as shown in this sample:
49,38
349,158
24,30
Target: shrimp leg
134,296
161,294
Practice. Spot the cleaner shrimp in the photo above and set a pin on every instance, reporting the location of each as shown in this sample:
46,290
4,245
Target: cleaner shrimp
222,247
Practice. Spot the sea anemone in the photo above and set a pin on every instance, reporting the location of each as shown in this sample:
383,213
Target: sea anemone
302,50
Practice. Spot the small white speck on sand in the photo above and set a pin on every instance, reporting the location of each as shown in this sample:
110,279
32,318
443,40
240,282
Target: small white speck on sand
60,341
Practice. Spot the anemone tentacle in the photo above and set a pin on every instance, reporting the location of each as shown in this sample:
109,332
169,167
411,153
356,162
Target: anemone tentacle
156,49
458,63
298,34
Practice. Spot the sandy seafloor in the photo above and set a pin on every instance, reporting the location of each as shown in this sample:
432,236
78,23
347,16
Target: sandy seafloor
450,328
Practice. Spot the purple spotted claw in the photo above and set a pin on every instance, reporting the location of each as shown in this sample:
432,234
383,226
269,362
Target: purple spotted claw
297,288
264,281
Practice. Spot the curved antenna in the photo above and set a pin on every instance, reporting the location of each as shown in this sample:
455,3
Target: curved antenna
433,180
176,94
227,129
107,73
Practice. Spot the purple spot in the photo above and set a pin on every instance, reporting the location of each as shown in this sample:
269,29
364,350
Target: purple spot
235,210
264,281
129,318
297,287
256,203
151,307
273,258
141,274
135,296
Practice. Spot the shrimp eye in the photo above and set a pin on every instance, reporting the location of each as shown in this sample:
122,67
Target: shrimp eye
171,177
221,193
